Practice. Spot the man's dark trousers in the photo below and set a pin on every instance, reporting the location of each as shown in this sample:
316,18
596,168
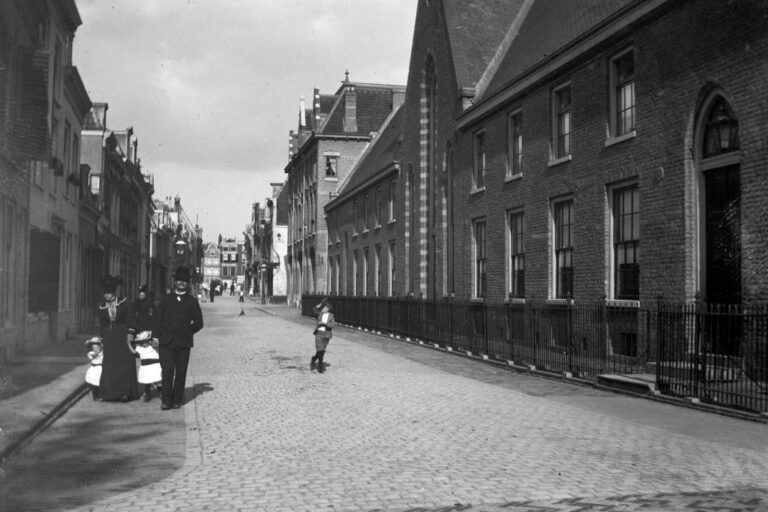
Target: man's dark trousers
174,362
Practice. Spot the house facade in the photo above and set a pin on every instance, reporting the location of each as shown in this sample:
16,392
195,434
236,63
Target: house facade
615,168
331,137
211,264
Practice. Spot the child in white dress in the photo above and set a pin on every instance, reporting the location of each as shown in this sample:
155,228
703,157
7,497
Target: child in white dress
150,373
93,374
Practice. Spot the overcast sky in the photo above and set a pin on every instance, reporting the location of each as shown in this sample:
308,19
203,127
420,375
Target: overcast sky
212,87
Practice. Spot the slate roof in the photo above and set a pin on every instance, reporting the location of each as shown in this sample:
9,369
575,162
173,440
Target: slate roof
550,26
374,104
475,29
383,151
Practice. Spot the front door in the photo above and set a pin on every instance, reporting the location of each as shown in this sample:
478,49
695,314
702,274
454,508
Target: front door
723,235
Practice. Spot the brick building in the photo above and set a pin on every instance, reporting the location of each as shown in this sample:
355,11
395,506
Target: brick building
538,155
634,125
331,137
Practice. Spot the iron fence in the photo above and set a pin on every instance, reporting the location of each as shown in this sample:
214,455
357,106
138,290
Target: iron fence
717,354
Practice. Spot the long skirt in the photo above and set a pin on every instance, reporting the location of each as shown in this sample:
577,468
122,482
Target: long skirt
118,374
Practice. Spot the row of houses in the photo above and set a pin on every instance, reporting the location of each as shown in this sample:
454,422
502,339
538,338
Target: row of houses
75,200
601,150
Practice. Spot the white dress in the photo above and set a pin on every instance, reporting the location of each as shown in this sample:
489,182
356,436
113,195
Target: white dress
93,373
149,371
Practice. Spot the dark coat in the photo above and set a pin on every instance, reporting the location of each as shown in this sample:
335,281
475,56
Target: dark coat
177,319
143,309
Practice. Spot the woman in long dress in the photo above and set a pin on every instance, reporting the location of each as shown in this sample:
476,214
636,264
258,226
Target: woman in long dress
117,329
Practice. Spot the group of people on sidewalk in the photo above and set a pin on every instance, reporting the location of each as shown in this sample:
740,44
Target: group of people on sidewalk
161,338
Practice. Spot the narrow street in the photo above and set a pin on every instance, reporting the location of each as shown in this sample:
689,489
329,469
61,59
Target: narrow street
391,426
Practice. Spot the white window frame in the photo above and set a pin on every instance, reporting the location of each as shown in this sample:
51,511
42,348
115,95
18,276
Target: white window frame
614,136
612,263
479,254
479,159
512,216
392,196
355,274
514,143
392,269
377,269
556,156
554,226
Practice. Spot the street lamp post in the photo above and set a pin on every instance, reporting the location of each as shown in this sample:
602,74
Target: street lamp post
181,250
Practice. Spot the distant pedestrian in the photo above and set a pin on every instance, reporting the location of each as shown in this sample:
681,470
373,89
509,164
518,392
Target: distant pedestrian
323,334
178,318
241,299
150,372
143,309
93,374
213,292
232,289
117,330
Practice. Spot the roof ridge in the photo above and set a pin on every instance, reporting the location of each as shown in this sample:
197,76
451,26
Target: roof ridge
501,51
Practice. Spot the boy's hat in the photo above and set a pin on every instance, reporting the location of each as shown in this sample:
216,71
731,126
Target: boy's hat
143,336
93,341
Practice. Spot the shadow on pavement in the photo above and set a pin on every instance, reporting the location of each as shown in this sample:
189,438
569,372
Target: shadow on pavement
106,448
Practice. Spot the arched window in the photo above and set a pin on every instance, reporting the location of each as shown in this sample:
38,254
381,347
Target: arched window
719,202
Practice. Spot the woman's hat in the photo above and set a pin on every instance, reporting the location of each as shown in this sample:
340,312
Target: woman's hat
93,341
143,336
181,274
110,283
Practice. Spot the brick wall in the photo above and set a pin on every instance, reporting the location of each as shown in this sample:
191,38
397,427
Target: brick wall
679,56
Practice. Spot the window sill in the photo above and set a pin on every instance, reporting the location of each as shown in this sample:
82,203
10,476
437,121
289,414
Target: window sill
621,138
557,161
514,300
477,300
513,177
477,190
622,303
331,178
560,302
393,221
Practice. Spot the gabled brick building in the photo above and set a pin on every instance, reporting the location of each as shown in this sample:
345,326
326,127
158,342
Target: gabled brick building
615,152
331,137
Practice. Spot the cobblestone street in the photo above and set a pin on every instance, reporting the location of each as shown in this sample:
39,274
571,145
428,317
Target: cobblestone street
394,426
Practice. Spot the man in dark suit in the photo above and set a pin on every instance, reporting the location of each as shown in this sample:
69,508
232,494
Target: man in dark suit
177,319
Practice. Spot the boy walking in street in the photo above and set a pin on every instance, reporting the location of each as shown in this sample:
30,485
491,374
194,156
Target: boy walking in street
323,334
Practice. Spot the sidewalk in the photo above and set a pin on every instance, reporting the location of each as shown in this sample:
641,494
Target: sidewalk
36,388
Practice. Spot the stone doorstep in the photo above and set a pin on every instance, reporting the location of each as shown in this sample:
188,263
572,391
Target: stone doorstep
641,383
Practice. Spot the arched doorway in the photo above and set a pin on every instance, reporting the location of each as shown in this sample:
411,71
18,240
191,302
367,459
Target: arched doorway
719,202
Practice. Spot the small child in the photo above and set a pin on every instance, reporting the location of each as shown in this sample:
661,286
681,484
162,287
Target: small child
150,372
323,334
242,299
93,374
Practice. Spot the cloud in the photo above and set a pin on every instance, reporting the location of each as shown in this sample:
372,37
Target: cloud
212,87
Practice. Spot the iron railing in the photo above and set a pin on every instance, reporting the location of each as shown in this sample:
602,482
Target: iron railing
717,354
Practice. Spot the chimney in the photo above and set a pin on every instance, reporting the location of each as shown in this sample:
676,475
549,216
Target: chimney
350,106
302,113
100,114
316,109
177,203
